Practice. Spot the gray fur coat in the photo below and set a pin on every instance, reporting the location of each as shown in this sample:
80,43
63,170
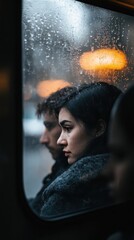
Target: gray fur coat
77,189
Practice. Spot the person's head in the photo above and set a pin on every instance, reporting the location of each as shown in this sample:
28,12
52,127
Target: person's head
84,117
52,129
121,144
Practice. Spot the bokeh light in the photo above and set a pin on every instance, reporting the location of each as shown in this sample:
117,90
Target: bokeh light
4,81
103,59
46,87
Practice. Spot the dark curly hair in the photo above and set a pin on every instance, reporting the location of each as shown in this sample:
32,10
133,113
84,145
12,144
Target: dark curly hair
55,101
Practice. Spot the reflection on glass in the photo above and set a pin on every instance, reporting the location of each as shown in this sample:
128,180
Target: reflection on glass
56,36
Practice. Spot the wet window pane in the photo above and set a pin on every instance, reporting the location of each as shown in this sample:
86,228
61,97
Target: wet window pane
58,38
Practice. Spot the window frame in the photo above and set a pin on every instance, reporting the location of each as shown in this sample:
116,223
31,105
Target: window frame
90,215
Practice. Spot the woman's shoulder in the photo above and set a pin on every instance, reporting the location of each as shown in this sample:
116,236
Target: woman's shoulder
91,164
89,159
78,173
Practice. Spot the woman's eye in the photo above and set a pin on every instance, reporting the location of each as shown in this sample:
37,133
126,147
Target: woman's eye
68,129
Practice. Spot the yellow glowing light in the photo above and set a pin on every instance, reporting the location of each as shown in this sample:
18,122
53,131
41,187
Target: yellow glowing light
46,87
103,59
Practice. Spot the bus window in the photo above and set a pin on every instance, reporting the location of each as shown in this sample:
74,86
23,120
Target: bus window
65,43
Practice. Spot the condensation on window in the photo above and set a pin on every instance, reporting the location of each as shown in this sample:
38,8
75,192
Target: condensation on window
56,35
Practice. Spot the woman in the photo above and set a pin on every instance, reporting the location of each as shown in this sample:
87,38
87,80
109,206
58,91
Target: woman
83,116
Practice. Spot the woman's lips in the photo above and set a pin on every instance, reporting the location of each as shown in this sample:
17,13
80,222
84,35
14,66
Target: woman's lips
66,153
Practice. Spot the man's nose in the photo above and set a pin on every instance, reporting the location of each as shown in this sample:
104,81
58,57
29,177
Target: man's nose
44,139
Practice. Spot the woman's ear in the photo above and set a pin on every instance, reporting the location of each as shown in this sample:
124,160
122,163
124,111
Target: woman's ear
100,127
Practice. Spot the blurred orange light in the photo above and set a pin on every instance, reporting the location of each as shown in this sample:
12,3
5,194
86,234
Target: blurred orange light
103,59
46,87
4,81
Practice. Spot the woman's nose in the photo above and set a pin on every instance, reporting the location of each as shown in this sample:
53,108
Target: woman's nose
61,140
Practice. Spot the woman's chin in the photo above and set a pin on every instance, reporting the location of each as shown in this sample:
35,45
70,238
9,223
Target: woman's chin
71,160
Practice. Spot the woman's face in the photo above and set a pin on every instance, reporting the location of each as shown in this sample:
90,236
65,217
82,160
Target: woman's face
74,137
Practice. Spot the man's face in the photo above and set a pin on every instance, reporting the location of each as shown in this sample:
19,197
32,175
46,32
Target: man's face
122,163
51,134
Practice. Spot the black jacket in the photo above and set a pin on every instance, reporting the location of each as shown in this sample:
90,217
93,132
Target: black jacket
57,169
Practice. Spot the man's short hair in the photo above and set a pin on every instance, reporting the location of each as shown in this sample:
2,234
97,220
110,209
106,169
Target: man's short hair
53,103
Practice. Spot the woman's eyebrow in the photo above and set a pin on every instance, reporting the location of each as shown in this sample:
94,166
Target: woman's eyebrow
64,122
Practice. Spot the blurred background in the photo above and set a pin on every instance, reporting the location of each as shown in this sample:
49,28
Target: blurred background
67,42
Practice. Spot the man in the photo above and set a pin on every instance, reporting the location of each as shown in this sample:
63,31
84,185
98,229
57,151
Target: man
121,168
49,139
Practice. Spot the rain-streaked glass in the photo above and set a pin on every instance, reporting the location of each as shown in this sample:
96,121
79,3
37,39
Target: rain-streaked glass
55,35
